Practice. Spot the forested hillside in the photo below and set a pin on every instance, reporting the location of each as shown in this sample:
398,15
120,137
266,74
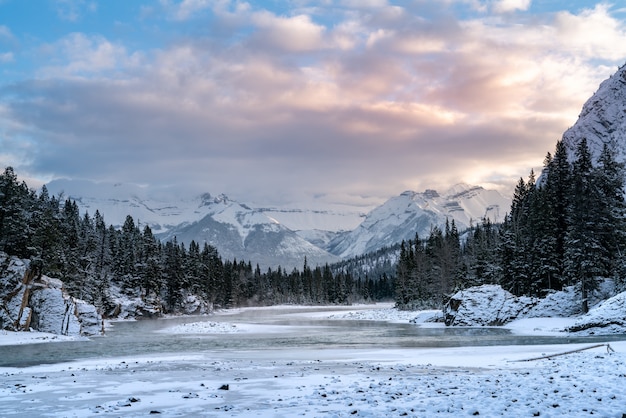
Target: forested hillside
566,229
96,260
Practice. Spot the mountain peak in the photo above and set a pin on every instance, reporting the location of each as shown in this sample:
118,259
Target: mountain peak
602,119
401,217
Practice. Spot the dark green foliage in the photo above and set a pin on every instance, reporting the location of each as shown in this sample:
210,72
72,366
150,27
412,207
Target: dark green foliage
428,271
92,258
569,230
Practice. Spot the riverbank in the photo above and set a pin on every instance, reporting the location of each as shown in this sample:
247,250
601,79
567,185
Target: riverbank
418,382
485,381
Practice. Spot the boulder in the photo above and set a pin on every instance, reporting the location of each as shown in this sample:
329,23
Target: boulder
486,305
195,305
29,300
607,318
133,306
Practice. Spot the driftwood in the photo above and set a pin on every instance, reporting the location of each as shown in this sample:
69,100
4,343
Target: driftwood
608,350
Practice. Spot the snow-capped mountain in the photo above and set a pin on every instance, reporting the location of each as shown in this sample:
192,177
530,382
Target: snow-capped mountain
238,231
402,216
160,208
273,236
602,119
235,229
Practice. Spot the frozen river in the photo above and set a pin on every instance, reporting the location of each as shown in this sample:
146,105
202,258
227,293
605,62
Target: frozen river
268,332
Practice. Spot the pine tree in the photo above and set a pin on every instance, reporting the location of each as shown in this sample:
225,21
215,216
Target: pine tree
14,215
611,217
558,186
583,248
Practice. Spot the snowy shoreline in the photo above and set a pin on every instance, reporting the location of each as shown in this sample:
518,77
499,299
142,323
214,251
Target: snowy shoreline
418,382
486,381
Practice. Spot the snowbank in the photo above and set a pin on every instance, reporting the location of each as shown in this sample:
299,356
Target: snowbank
202,328
487,305
389,314
490,305
607,318
450,382
33,337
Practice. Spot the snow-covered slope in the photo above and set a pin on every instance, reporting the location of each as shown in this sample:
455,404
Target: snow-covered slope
282,235
238,231
402,216
161,208
602,119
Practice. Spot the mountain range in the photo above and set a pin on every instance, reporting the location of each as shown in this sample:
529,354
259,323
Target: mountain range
273,236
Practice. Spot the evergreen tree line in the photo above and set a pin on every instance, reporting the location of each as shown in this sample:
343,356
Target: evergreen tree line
96,260
567,229
377,270
430,270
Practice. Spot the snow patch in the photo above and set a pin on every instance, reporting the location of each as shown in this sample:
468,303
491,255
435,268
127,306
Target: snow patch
486,305
607,318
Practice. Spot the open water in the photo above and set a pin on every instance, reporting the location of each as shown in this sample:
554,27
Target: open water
138,338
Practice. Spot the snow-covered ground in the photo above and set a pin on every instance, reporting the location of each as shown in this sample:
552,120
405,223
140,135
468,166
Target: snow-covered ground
33,337
417,382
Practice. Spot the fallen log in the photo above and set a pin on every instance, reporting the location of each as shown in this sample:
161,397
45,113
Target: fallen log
608,350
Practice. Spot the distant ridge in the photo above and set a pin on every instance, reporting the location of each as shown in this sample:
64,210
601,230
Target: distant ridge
401,217
261,235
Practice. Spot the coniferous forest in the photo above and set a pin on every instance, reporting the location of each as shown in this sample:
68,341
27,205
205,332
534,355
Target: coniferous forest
566,228
92,257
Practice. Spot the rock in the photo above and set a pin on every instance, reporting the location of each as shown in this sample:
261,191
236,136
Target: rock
607,318
133,306
30,301
54,313
563,303
486,305
195,305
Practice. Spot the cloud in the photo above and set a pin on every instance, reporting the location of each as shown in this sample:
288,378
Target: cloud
78,54
507,6
293,34
186,8
6,57
5,33
592,33
73,10
332,101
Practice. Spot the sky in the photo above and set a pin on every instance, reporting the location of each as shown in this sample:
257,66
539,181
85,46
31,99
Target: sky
277,101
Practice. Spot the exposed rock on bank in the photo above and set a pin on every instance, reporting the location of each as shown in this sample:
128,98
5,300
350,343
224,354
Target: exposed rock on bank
486,305
29,300
607,318
141,306
490,305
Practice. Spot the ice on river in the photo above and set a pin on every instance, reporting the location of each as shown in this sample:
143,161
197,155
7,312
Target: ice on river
415,382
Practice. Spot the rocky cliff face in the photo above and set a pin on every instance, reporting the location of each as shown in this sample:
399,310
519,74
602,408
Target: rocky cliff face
602,119
32,301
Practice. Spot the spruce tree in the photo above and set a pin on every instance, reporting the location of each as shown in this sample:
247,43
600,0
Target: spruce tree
583,248
611,222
